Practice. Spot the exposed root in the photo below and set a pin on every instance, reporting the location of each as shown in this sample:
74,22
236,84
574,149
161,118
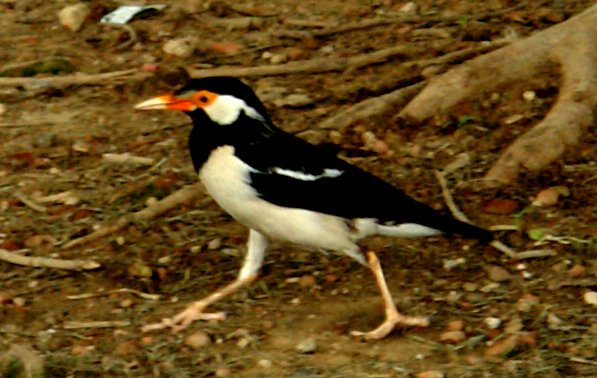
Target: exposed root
175,199
570,44
317,65
389,102
107,78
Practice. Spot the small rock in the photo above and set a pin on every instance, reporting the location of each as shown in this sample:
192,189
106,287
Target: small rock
223,372
409,8
181,47
278,58
306,281
529,95
526,303
502,347
455,325
550,196
80,350
500,206
19,301
453,297
127,348
307,346
73,16
197,340
452,337
577,271
266,364
3,108
430,374
497,274
492,323
225,48
295,100
127,303
590,297
470,286
214,244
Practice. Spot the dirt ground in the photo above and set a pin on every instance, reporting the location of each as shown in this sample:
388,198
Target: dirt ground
507,318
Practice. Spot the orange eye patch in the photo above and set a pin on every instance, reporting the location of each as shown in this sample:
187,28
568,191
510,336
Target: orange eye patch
203,98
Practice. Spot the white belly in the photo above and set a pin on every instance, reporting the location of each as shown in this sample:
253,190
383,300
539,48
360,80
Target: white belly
227,179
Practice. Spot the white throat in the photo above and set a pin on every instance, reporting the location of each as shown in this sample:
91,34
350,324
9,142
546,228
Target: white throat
226,109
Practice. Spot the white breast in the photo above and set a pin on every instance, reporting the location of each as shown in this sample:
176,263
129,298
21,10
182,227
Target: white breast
227,179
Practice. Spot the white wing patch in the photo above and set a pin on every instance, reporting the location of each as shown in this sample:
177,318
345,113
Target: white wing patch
407,230
226,109
328,172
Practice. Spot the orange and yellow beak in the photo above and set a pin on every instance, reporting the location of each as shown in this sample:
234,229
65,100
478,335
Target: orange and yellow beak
167,101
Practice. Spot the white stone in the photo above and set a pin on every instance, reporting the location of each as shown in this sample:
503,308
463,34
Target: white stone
73,16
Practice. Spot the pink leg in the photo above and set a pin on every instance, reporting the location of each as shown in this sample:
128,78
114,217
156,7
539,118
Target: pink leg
393,317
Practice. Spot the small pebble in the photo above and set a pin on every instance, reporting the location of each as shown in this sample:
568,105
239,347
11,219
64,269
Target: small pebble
19,301
502,347
126,303
452,337
214,244
73,16
266,364
590,297
430,374
409,8
223,372
455,325
181,47
497,274
529,95
197,340
577,271
306,281
307,346
492,322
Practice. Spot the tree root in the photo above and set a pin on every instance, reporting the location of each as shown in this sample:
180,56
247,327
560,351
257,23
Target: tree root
175,199
316,65
571,45
107,78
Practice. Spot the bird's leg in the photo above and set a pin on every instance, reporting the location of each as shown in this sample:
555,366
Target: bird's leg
253,261
393,317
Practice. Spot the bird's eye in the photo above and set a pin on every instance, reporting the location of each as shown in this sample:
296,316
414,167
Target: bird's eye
203,99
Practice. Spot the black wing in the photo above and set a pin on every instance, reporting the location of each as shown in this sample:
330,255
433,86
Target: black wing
327,184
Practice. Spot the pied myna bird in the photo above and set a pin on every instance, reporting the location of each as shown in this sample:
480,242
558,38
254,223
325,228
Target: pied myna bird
283,188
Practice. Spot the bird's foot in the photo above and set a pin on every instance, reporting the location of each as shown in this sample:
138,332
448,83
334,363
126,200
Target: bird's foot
392,321
184,318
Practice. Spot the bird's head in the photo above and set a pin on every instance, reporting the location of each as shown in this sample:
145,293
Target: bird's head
220,99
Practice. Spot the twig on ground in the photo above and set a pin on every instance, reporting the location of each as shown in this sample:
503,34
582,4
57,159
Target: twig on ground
153,297
449,199
30,203
107,78
495,243
177,198
96,324
583,361
317,65
26,124
44,262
